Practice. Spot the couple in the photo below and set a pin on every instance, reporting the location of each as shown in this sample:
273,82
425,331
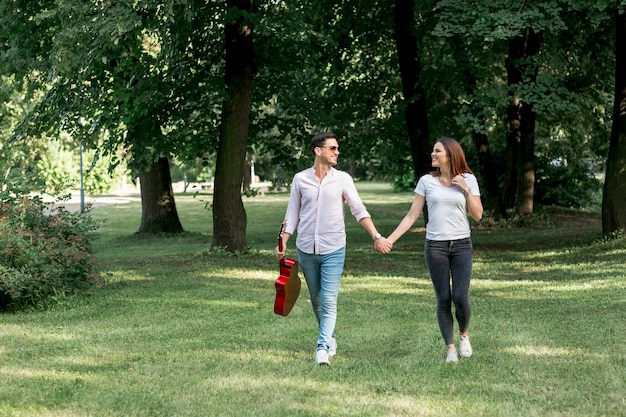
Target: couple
316,209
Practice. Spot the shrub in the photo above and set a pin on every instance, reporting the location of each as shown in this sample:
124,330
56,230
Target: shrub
45,253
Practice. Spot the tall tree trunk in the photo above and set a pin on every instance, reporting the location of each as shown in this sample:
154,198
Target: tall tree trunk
520,174
229,215
491,192
526,161
513,135
158,209
416,117
614,193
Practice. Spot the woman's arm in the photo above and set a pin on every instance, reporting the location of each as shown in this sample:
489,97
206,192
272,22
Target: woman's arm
414,212
474,205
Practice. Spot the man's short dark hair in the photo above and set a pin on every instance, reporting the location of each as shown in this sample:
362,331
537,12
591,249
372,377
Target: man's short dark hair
319,140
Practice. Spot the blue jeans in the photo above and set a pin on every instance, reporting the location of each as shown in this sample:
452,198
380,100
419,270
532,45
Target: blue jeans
323,276
451,259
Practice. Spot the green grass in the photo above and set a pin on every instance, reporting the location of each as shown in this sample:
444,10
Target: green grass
183,331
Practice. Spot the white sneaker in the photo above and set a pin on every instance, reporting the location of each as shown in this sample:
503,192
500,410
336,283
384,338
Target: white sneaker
452,357
465,348
321,357
332,351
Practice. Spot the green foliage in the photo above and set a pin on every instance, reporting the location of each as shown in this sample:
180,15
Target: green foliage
569,185
565,174
97,67
404,182
329,69
45,253
57,168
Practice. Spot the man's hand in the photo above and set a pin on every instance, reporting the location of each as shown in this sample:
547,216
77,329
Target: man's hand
382,245
280,255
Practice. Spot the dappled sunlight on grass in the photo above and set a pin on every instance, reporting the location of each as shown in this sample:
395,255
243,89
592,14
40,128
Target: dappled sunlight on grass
48,374
550,351
591,285
124,275
538,271
231,303
387,285
295,394
527,289
266,356
240,273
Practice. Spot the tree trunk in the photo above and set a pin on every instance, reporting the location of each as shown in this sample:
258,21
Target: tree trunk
415,113
247,178
513,134
416,117
491,192
527,161
158,209
614,194
520,172
229,215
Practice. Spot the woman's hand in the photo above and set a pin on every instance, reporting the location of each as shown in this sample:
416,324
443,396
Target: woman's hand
382,245
459,181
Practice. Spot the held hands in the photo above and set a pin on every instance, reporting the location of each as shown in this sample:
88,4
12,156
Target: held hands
382,245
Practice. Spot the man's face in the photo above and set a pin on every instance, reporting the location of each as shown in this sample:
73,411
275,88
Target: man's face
329,152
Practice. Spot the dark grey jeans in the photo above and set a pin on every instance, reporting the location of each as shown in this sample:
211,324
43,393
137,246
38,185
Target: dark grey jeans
451,260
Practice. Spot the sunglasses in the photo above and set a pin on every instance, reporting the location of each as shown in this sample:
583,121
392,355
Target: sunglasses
332,148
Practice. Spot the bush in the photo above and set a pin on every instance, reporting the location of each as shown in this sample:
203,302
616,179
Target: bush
45,254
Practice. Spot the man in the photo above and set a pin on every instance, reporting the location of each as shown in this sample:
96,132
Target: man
316,209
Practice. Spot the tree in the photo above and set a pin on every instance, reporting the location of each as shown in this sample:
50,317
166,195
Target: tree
544,93
154,79
119,74
478,115
229,215
521,70
24,61
613,207
156,191
416,115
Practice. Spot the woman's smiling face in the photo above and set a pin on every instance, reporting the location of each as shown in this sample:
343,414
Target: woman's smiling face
439,156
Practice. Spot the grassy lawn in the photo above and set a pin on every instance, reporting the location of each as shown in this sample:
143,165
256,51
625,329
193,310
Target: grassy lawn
180,330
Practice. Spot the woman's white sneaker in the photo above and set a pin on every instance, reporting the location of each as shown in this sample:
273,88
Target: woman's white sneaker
451,356
465,348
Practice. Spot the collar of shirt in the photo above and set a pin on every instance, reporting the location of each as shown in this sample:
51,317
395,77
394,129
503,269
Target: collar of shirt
317,209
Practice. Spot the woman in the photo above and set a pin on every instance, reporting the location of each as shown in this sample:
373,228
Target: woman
450,191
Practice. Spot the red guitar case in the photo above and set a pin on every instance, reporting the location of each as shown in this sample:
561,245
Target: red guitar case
288,283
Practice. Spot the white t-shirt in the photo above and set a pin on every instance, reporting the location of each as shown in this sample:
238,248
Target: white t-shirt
447,207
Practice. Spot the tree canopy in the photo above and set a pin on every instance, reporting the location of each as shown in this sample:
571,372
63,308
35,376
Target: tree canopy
528,89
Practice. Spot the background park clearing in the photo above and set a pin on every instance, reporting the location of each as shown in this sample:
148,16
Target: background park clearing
180,330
